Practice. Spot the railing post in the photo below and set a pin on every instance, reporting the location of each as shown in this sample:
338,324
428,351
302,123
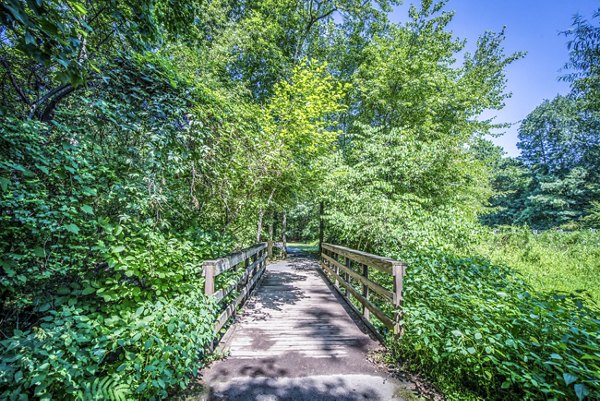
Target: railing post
246,266
398,271
346,275
321,227
209,277
324,262
258,261
365,274
337,269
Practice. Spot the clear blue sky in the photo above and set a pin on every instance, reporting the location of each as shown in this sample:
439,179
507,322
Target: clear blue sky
531,26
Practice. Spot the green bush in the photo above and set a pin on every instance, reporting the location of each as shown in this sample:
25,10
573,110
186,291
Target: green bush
481,327
144,338
149,350
100,280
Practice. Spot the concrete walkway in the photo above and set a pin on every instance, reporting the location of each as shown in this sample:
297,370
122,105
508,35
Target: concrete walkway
296,340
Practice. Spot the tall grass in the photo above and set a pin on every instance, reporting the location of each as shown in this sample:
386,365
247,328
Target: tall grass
550,261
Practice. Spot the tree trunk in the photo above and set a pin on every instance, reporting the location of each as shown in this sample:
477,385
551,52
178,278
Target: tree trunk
270,246
261,213
283,228
321,227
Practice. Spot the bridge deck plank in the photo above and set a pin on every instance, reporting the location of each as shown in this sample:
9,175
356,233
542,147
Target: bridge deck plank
294,326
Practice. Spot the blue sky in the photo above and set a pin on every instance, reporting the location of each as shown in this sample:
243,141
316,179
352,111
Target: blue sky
531,26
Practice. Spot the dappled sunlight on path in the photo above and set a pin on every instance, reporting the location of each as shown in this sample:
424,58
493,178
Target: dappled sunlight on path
295,340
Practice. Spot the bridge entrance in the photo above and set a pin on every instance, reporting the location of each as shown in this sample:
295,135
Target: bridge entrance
297,338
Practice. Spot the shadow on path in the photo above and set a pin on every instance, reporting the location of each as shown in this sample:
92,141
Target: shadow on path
317,388
297,340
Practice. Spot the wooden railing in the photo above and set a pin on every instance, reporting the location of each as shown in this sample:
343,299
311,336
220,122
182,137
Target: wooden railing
252,260
344,265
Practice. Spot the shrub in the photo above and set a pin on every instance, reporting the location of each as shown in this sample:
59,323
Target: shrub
480,326
97,300
145,335
144,352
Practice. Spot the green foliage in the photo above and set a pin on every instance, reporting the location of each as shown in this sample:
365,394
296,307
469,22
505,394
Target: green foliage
404,173
559,145
511,183
303,222
592,219
295,115
584,66
95,298
48,191
559,201
555,180
100,270
553,138
471,322
269,38
139,139
52,33
552,260
144,351
104,389
409,182
297,123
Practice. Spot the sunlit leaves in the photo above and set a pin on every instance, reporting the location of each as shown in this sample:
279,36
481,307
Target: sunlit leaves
299,128
297,114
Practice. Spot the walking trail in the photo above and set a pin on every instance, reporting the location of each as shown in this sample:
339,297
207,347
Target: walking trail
296,339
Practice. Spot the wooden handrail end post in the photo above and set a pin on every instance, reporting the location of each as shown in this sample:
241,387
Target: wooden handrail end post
365,274
398,271
209,277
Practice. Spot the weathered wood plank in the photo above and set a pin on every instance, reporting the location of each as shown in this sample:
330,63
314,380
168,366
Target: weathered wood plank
223,264
365,288
223,292
398,297
380,263
229,311
209,278
389,323
388,295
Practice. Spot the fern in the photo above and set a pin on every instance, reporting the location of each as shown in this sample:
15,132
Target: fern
102,389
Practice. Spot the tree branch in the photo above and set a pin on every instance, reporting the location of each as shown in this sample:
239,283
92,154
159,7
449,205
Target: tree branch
312,21
49,109
45,98
14,83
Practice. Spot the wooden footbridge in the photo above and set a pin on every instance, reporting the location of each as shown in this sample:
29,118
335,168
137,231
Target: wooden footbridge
302,330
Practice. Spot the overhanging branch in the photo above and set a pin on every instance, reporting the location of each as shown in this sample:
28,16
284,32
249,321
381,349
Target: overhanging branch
14,83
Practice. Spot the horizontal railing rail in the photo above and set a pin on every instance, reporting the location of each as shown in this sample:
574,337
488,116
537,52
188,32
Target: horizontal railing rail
253,262
337,263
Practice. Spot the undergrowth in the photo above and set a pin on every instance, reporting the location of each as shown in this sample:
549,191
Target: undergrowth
478,327
549,260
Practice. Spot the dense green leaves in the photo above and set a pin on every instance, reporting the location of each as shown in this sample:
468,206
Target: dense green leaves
480,325
140,138
404,160
555,180
584,65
